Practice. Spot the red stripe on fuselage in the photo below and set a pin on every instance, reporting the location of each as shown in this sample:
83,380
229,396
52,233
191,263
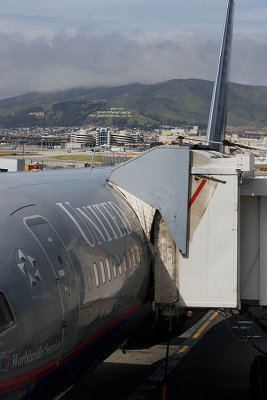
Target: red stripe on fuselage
19,381
200,187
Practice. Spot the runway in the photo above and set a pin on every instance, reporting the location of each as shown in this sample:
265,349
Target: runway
210,361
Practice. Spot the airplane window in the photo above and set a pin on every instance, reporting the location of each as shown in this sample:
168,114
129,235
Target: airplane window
142,254
119,264
114,267
140,250
133,258
96,275
129,258
89,278
108,269
124,264
6,316
137,254
102,271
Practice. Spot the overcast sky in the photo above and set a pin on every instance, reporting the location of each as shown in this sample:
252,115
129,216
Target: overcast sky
59,44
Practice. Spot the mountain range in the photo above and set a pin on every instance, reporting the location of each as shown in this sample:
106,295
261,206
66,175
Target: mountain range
179,101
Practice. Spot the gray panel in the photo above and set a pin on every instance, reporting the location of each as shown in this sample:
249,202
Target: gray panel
160,178
263,251
250,248
254,187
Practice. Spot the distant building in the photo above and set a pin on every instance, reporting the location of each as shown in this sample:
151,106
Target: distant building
83,137
104,136
172,135
167,139
192,130
124,138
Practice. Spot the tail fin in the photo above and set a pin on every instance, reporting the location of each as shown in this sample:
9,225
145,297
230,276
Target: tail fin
218,110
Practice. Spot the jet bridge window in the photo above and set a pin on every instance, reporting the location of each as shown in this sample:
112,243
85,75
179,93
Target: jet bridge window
6,316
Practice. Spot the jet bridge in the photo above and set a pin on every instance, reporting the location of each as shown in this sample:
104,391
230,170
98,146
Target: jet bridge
205,218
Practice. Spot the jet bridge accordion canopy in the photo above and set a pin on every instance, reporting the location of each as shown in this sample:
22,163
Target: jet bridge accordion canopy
160,177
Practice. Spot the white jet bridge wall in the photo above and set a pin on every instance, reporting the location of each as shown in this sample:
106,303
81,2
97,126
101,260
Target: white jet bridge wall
208,275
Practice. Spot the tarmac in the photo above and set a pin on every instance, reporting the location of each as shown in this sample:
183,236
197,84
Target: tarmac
210,361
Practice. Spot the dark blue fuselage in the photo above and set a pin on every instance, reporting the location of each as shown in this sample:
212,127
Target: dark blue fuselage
74,278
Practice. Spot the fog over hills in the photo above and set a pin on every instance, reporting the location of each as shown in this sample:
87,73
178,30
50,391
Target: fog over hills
171,102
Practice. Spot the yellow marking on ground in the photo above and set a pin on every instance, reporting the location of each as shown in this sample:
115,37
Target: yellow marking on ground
204,326
183,349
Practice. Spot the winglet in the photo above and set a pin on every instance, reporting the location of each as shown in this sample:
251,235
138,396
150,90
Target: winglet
218,110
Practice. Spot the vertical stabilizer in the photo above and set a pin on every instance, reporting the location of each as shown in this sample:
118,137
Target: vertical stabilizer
218,110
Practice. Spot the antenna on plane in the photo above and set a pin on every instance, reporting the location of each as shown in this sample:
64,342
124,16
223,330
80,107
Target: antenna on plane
93,161
218,109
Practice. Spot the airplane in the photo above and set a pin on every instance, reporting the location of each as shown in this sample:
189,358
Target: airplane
77,274
76,280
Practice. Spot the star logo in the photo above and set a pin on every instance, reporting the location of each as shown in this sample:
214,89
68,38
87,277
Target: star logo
27,265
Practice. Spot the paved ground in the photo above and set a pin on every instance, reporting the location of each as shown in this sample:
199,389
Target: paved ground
214,366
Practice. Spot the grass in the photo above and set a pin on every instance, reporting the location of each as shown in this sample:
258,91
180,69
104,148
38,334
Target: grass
258,169
77,157
259,166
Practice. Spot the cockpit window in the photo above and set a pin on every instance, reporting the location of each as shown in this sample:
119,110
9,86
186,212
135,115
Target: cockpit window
6,316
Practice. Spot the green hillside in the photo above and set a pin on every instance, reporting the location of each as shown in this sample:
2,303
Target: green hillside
175,101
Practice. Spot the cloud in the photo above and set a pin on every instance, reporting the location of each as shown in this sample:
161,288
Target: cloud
53,16
249,59
90,60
